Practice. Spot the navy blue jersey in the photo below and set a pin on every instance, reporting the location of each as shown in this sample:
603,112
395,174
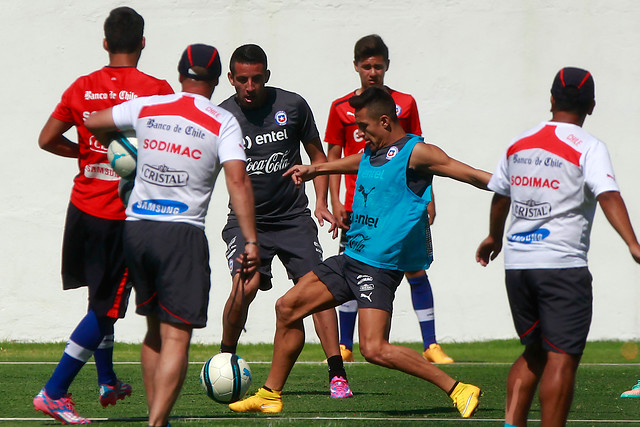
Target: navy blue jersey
273,135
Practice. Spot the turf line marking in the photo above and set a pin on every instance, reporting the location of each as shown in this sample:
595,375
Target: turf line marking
258,418
323,363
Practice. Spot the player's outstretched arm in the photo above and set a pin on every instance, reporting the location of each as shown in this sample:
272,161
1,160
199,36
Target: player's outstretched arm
101,125
616,212
431,159
302,173
491,246
241,197
52,139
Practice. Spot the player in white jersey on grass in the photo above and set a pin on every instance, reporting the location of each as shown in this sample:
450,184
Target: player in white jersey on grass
184,141
551,179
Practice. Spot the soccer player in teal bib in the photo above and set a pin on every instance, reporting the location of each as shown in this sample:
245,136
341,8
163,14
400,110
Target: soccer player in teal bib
387,237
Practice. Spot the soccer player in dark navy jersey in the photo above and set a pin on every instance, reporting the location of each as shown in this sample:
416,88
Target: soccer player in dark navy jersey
275,124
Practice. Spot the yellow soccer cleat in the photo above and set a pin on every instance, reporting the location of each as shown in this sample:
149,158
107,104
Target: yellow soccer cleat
262,401
466,398
347,355
434,354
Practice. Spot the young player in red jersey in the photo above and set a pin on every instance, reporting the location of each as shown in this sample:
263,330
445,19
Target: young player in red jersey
92,247
371,62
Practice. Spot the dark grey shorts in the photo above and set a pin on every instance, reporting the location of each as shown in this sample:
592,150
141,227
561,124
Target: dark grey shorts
92,256
294,241
552,306
349,279
169,263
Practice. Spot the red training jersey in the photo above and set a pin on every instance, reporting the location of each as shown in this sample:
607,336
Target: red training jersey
95,188
342,129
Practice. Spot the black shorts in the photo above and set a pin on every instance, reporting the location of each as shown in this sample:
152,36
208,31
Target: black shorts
169,263
92,256
552,306
349,279
294,241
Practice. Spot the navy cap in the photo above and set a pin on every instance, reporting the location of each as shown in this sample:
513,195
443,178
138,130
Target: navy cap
573,85
200,55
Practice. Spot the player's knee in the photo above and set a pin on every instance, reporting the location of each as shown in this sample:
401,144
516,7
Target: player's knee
285,310
373,352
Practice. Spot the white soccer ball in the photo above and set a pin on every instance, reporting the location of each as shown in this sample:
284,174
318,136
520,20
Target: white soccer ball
123,155
226,377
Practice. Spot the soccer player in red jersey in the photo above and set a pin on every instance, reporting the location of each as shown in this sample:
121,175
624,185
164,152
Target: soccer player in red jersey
371,62
92,248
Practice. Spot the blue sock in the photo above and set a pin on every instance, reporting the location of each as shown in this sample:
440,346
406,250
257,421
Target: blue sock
80,347
347,314
509,425
422,299
104,355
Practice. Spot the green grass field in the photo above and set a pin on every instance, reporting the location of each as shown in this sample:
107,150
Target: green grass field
382,397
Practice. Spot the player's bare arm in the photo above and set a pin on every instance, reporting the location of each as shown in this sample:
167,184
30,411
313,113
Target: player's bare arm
52,139
101,125
429,158
334,152
491,246
616,212
241,197
346,165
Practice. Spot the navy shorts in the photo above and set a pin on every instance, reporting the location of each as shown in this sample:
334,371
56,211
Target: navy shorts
348,279
551,306
92,256
294,241
169,263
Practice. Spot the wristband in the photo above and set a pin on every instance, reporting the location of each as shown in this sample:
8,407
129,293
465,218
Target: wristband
251,243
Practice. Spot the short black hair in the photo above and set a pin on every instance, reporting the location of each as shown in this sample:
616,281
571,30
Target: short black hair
571,104
368,46
123,30
377,100
248,54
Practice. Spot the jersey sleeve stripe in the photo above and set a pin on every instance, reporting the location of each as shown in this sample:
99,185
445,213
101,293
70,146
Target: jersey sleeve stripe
184,107
547,140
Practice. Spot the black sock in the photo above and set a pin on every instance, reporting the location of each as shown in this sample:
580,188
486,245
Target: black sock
228,348
267,388
336,367
453,388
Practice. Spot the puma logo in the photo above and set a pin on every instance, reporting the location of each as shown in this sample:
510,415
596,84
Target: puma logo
363,295
365,194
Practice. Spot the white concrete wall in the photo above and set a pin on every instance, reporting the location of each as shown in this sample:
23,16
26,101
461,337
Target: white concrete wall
480,71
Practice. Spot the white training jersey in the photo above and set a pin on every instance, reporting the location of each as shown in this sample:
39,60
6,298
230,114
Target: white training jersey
182,141
553,174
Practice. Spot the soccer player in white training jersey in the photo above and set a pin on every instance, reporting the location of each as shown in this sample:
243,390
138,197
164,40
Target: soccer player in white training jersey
183,142
550,179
